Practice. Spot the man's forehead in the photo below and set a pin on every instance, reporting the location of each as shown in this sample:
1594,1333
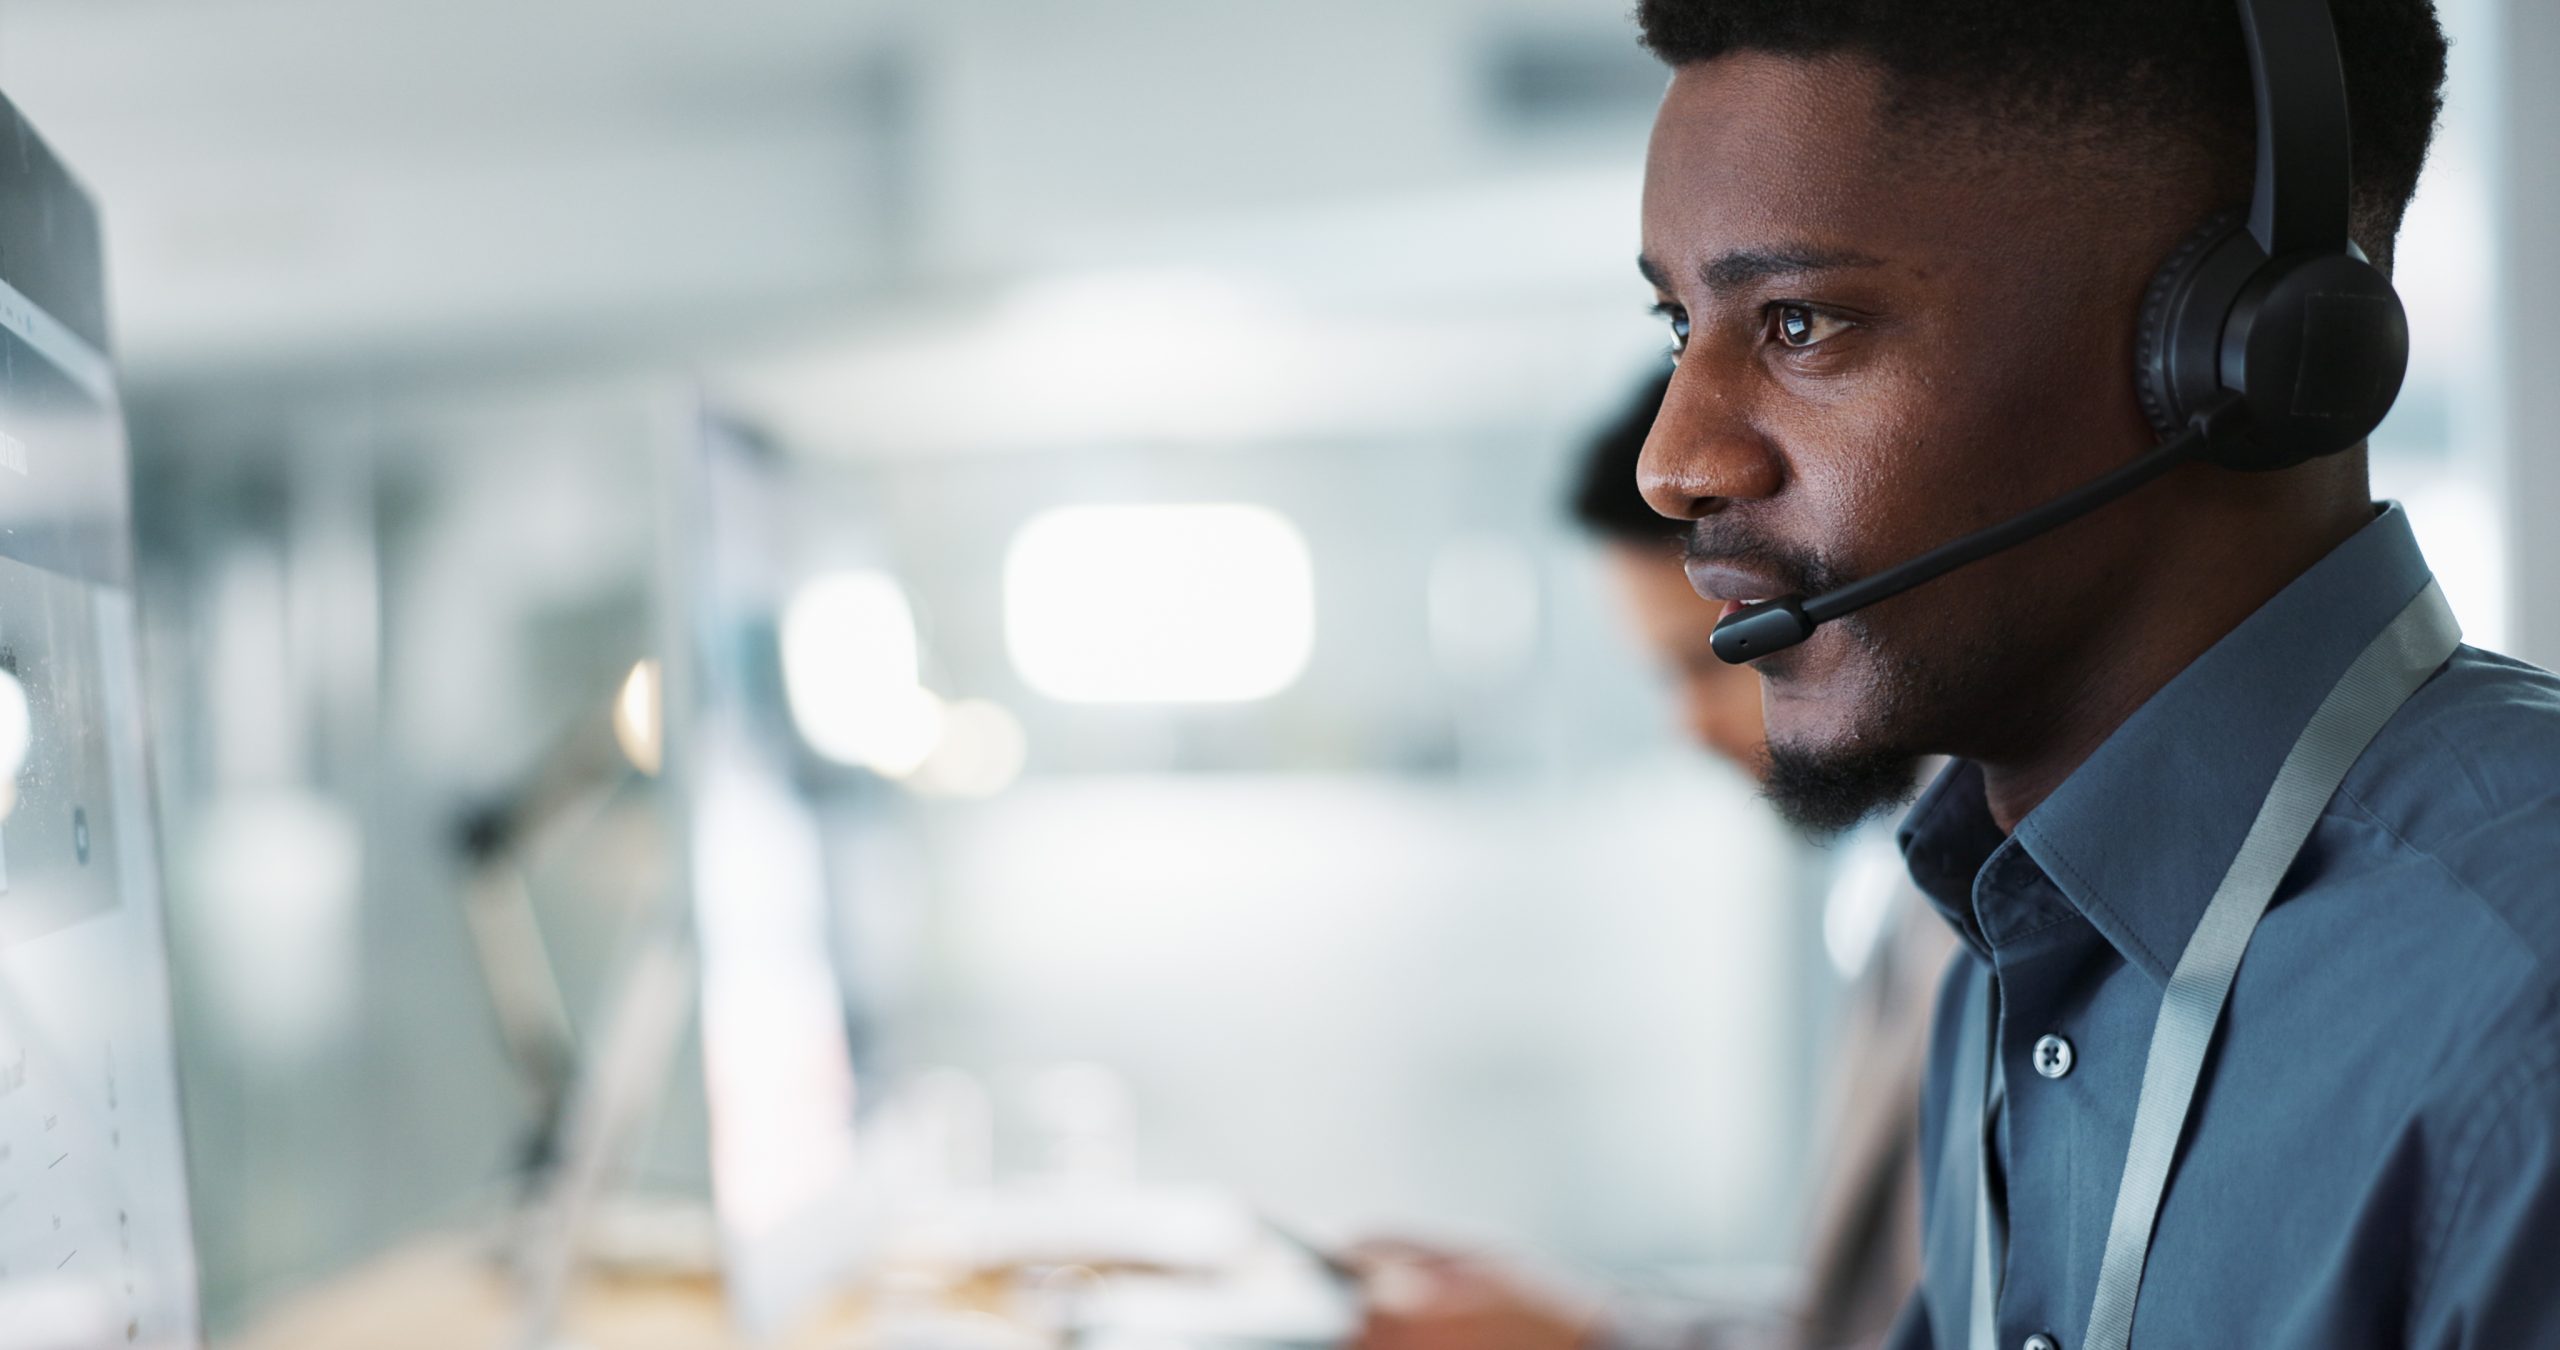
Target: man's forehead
1754,153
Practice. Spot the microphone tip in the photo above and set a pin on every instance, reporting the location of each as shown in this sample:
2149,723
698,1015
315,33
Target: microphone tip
1755,632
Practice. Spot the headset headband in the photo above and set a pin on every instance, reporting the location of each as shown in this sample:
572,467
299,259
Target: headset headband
2305,168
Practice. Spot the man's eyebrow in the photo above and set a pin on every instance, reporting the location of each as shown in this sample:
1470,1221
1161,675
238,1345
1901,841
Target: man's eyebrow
1741,267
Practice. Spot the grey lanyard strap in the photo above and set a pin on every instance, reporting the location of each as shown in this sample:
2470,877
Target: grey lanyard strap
2390,669
1986,1278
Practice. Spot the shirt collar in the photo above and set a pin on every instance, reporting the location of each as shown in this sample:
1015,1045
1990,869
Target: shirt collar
2139,835
1947,839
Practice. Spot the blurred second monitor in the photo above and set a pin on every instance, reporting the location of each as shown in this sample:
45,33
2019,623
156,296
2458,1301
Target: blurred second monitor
94,1242
741,947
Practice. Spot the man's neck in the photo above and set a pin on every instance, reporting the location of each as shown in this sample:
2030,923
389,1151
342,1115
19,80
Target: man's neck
2191,609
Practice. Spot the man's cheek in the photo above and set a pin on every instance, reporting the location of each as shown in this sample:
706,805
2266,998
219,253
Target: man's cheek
1842,682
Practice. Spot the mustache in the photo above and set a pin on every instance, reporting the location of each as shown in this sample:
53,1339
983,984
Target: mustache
1721,540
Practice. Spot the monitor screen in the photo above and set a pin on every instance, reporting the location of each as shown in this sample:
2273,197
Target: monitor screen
94,1241
778,1062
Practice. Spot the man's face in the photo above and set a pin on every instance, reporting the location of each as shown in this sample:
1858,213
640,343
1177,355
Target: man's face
1894,337
1719,704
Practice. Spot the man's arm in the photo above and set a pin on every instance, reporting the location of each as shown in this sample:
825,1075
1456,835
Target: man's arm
1425,1299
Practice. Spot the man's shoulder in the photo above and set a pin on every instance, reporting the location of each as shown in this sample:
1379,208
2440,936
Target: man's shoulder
2467,781
2495,718
2467,777
2479,744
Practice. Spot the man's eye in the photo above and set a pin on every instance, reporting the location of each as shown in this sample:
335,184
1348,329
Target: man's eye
1802,325
1678,318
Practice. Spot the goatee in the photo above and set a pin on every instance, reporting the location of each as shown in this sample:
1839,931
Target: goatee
1826,792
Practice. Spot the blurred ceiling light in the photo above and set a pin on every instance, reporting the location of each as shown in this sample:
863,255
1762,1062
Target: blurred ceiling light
1174,353
638,713
1210,603
980,754
849,670
1154,352
17,733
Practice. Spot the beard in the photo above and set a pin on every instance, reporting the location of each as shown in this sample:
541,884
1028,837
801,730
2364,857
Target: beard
1904,699
1825,788
1825,792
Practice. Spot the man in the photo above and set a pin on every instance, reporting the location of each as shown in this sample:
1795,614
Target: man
1862,1248
1901,247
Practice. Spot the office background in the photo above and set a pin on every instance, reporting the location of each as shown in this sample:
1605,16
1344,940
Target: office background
1390,918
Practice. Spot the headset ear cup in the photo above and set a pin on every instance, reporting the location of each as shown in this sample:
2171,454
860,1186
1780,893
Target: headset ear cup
2182,315
2317,348
2315,345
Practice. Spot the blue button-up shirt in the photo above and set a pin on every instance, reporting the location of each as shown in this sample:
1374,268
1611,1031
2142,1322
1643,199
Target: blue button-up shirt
2374,1154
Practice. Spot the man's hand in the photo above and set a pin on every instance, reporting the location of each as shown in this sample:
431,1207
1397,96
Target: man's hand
1421,1298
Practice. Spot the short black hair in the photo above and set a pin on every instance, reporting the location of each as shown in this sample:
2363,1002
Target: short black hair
2121,67
1606,500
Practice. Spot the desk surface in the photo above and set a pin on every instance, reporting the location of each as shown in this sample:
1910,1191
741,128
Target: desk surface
445,1294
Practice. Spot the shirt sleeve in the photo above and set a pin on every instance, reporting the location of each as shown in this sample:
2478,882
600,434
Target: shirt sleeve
2490,1282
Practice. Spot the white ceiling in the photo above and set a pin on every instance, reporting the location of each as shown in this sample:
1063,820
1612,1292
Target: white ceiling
301,184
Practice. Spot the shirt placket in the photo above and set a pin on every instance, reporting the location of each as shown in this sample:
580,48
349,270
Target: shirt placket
2040,948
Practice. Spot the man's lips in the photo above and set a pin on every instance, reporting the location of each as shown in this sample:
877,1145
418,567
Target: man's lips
1734,586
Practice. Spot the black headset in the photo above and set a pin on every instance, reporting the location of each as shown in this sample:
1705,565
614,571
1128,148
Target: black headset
2266,340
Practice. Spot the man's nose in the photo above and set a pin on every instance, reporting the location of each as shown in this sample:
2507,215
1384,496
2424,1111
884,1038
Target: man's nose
1703,450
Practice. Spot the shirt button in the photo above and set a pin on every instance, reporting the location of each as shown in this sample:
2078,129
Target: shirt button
2053,1060
2041,1341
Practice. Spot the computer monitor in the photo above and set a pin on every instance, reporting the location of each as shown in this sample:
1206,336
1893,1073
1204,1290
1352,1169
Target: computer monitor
747,952
94,1240
796,1210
